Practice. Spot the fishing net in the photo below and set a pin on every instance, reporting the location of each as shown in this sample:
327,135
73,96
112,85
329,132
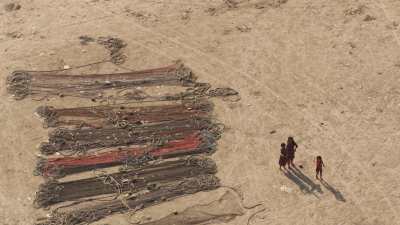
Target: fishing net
145,178
122,116
43,84
153,145
163,193
80,140
192,144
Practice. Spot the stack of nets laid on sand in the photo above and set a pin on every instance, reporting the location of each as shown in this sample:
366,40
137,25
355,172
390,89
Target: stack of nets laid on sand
149,177
196,143
158,148
99,210
81,140
122,116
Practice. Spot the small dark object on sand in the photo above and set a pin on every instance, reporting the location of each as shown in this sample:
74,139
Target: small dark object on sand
12,7
84,39
114,45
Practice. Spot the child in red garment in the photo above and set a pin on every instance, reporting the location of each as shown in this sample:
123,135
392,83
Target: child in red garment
319,164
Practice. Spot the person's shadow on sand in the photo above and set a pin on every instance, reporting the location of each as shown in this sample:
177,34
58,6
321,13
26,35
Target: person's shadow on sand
335,192
305,184
308,186
307,180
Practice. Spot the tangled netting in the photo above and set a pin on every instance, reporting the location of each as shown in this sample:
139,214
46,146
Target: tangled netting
196,143
149,177
80,140
43,84
160,149
163,193
119,86
122,116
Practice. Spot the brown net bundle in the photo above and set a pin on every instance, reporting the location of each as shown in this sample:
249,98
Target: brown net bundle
42,84
204,89
80,140
145,178
121,116
192,144
165,192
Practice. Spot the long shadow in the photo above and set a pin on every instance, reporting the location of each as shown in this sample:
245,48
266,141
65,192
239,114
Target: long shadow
303,186
307,180
338,195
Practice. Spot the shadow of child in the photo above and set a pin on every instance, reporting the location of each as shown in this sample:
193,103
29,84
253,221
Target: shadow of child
338,195
307,180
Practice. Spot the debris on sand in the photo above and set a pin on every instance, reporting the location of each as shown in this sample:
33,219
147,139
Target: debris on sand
186,14
393,25
14,35
243,28
277,3
211,11
142,16
112,44
259,6
84,39
286,189
12,7
369,18
231,3
115,46
355,11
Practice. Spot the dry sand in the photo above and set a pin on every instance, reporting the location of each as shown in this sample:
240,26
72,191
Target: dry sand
326,72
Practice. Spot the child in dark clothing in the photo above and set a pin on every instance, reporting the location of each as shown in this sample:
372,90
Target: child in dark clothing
291,147
283,157
319,164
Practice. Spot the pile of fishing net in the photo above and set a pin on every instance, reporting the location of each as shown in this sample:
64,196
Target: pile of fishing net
151,148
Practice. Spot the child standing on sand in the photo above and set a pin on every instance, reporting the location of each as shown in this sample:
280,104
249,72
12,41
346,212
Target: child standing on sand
291,147
319,164
283,157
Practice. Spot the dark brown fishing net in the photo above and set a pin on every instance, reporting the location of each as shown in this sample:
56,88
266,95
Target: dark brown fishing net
165,192
80,140
148,177
121,116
